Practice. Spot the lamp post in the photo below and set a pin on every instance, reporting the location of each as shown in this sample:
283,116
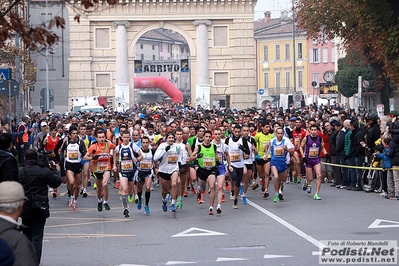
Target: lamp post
293,43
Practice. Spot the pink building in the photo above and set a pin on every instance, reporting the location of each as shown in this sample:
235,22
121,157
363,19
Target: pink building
322,60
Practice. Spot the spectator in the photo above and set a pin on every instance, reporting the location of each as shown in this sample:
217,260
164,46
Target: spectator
356,155
8,163
12,198
23,140
36,184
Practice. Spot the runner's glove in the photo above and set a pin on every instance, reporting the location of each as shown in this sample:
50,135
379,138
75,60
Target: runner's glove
167,148
305,160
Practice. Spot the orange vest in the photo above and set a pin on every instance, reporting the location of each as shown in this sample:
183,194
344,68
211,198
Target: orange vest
25,136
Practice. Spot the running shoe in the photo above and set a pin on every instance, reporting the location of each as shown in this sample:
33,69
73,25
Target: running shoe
130,198
126,213
210,212
199,198
136,199
304,187
299,180
241,190
295,179
94,186
71,202
223,198
100,206
280,196
265,194
55,193
231,195
185,194
255,186
219,209
263,189
309,189
235,205
146,209
317,197
118,184
106,206
192,190
275,198
179,203
168,197
89,183
84,193
164,207
139,205
227,185
244,199
74,205
81,191
173,208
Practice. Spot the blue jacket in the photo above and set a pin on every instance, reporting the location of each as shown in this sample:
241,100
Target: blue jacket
386,157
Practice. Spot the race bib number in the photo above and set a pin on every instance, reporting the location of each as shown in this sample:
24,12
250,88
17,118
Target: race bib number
219,156
278,152
172,158
145,165
314,152
209,162
235,156
102,166
126,165
73,155
297,142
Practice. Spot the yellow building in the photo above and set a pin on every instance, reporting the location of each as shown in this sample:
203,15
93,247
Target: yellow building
275,59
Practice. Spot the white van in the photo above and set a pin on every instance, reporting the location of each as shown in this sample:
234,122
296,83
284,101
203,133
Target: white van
92,109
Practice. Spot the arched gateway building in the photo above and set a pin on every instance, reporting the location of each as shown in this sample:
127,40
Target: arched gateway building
219,34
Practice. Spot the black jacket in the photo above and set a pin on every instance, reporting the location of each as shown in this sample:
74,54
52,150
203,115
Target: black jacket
24,252
394,130
357,137
332,136
8,166
340,147
373,134
35,181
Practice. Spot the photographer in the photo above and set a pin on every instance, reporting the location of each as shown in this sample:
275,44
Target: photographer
35,179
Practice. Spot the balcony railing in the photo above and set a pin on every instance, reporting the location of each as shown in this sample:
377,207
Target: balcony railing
278,91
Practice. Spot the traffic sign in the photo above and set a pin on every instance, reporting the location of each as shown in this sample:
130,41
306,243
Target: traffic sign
9,88
297,96
314,83
5,73
43,92
261,91
366,83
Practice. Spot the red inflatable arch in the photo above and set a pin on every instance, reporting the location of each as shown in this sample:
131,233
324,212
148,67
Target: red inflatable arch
159,82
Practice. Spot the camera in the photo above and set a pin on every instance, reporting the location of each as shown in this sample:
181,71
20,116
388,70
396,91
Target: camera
42,158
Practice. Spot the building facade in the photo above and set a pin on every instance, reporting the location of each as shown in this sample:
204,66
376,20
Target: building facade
280,50
219,35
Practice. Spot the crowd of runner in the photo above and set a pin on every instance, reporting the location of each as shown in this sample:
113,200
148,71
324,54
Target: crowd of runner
197,151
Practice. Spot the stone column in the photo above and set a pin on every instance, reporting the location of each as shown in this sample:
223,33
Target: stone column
202,60
122,89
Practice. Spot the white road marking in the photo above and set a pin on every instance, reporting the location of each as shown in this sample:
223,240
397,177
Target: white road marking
286,224
203,232
179,262
376,224
230,259
276,256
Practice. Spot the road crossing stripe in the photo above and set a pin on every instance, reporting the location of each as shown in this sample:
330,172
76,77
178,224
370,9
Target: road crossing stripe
286,224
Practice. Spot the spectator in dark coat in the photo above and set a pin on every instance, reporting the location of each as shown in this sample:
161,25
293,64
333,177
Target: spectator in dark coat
12,198
8,163
35,180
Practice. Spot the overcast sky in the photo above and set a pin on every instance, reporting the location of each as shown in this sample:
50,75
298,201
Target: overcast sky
274,6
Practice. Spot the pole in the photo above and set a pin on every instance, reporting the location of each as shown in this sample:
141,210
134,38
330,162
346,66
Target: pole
18,106
359,92
9,98
47,102
293,43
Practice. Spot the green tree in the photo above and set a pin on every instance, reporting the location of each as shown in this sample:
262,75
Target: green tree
349,68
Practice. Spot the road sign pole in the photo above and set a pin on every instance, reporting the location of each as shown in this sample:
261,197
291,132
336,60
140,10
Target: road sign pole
9,98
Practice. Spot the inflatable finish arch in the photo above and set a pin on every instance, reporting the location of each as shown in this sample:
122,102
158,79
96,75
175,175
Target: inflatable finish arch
159,82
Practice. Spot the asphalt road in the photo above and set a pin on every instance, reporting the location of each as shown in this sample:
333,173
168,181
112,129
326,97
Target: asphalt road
259,233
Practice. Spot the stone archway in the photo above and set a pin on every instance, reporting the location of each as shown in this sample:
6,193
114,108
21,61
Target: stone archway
219,34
